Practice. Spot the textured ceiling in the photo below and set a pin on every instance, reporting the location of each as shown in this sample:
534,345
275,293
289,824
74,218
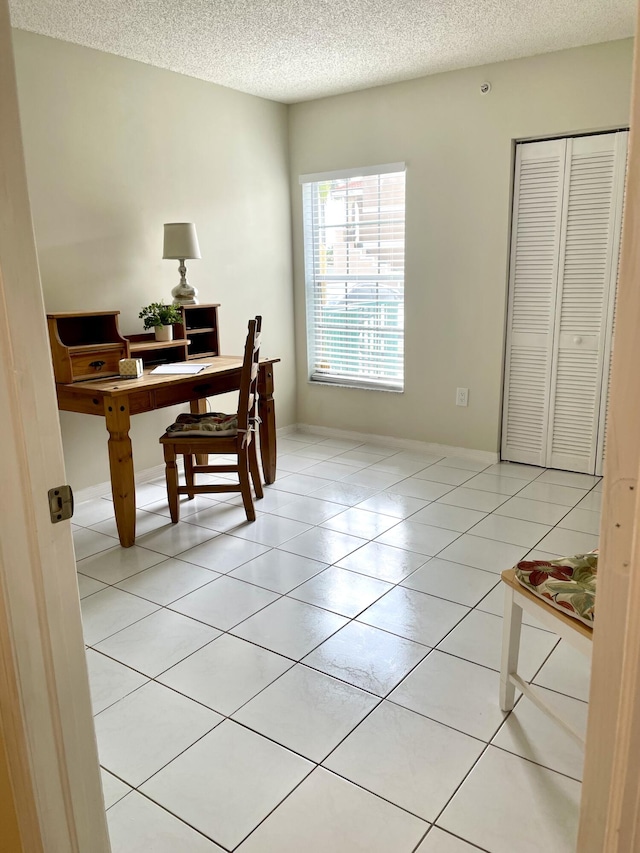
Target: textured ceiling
295,50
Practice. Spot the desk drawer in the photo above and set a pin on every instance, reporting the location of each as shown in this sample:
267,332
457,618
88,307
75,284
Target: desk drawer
97,364
201,387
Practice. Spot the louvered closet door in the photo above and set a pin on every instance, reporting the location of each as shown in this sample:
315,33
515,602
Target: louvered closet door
535,246
594,174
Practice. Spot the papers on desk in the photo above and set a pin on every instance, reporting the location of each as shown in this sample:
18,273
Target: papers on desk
180,367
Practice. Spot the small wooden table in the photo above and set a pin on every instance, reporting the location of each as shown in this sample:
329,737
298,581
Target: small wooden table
117,399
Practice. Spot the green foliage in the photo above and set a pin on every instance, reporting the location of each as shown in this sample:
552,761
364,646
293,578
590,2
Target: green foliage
159,314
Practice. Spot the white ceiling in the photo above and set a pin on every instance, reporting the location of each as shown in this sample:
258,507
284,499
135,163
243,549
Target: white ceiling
295,50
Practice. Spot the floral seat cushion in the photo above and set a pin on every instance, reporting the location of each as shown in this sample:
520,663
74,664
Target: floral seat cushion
568,584
207,425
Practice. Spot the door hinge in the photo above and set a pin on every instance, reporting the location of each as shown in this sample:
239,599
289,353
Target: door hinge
60,503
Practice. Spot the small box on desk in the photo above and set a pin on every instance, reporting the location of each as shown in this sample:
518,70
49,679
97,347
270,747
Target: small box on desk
130,368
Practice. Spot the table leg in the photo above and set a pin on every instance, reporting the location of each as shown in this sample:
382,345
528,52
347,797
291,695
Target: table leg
121,466
267,413
199,407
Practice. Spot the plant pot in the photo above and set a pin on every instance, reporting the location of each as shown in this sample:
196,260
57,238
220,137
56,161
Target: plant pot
164,333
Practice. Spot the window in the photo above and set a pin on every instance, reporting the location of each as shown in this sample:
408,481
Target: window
354,262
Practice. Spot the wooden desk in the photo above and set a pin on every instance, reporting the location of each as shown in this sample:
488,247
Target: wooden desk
117,399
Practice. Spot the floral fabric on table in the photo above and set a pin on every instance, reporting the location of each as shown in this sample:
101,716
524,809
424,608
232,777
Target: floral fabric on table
568,584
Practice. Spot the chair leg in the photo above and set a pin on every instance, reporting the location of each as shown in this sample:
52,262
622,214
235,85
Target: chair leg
245,485
255,470
511,629
171,473
188,473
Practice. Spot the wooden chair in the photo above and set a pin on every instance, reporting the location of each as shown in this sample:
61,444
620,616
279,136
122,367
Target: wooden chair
242,443
580,636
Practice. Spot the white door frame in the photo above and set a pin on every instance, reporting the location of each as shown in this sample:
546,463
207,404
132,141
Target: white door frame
45,706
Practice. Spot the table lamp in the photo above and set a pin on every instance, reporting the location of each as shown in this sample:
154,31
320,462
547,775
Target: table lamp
180,244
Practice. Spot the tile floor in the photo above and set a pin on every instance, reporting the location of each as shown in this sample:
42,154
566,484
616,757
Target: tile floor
326,679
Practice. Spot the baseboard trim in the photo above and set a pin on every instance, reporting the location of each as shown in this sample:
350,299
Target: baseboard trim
401,443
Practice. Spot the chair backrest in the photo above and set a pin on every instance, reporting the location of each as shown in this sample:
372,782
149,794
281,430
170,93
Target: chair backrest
249,380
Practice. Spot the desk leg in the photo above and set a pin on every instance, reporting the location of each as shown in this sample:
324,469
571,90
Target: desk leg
121,467
267,412
199,407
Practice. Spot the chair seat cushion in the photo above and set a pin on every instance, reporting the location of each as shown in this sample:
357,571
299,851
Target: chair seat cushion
568,584
207,425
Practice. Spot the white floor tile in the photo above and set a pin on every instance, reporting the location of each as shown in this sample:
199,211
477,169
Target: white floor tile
225,516
344,493
223,553
464,463
537,554
111,610
320,452
226,673
172,540
441,473
145,523
271,501
300,484
396,506
366,457
478,638
450,517
568,478
87,586
455,692
591,501
473,499
271,530
224,602
110,680
329,470
439,841
360,522
307,711
157,642
512,530
583,520
515,469
497,483
187,507
148,728
483,809
310,510
328,546
289,627
550,493
228,782
401,467
486,554
118,563
530,733
278,570
420,538
453,581
87,542
367,657
568,542
414,615
567,671
113,789
425,490
371,479
167,581
494,603
149,492
405,758
327,813
293,464
341,591
383,562
87,513
528,510
136,825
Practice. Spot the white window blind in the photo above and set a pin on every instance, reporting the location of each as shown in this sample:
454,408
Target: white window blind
354,223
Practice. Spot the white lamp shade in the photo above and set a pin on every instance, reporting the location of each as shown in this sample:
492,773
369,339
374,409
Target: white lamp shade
180,241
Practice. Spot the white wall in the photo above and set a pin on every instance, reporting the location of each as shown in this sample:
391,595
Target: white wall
114,149
458,147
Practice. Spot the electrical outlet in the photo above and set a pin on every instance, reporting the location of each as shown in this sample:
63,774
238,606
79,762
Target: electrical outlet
462,396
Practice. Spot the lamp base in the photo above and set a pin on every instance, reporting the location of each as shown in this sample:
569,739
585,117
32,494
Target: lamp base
184,295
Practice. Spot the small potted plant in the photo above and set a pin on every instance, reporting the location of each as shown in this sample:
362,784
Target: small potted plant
160,318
